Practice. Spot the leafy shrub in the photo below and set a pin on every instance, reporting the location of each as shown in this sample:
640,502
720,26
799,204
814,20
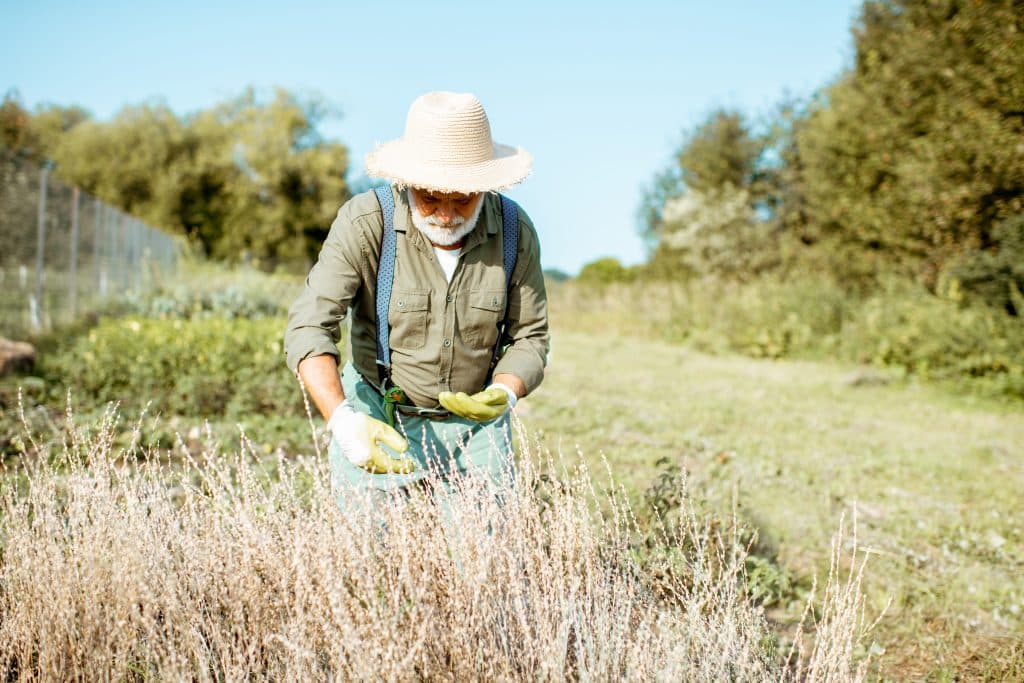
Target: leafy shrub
210,367
934,338
667,508
230,303
900,325
203,290
994,276
605,271
768,318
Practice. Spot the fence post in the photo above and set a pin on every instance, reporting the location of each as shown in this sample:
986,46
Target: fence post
116,250
126,252
137,256
73,283
36,303
97,241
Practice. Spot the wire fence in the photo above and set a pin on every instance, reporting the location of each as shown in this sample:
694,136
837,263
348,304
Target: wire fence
63,251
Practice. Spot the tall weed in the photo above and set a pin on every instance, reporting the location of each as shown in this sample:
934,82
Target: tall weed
227,566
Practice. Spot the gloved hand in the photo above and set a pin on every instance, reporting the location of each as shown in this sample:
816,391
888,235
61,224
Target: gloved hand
485,405
359,437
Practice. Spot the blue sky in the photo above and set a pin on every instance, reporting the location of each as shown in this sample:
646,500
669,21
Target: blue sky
599,92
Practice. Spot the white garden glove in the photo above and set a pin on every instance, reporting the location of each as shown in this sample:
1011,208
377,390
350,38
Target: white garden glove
359,438
512,398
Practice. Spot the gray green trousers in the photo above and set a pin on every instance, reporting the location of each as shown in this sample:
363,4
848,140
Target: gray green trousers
443,450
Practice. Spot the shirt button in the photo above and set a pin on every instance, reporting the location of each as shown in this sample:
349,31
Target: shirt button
447,343
449,298
401,304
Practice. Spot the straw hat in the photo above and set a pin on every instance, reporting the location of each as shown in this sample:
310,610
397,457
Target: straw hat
447,147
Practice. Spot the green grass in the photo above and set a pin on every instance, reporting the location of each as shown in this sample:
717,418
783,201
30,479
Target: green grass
935,476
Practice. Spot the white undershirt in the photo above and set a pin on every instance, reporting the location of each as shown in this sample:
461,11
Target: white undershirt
448,258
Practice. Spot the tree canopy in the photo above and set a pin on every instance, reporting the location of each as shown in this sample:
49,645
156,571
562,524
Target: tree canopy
911,162
246,178
918,151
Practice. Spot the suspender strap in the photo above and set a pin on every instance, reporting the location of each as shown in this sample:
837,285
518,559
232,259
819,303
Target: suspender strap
510,254
509,238
385,279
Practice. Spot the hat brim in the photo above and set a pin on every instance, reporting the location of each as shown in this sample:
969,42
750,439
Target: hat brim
395,162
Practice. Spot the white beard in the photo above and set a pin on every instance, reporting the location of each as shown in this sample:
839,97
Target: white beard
434,231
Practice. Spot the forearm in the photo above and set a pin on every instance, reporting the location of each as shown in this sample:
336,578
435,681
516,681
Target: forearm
512,382
320,376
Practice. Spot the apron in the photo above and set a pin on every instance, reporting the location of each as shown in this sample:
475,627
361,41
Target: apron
443,451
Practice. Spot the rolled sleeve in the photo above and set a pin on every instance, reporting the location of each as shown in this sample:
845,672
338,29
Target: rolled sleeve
314,319
527,322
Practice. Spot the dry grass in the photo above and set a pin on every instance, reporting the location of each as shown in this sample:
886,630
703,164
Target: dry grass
228,566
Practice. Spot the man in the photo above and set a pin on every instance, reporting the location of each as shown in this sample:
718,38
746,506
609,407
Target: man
467,331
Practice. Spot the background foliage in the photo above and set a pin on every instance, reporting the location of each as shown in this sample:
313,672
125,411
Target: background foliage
217,367
244,180
881,221
909,161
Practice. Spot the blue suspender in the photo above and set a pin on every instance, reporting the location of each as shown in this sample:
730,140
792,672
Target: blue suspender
386,275
385,278
509,254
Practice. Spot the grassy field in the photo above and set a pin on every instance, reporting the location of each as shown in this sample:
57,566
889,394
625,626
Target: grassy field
935,477
215,559
791,447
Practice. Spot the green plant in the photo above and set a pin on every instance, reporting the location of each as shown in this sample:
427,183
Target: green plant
935,338
605,271
204,367
669,510
994,276
899,325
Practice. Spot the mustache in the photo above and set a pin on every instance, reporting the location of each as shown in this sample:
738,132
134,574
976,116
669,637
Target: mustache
455,222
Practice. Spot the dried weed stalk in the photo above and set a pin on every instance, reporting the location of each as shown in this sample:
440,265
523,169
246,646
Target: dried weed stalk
229,566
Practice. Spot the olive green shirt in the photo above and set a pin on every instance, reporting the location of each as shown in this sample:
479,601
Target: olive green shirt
442,334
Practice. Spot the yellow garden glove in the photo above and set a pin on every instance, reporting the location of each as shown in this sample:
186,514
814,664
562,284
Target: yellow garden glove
485,405
360,436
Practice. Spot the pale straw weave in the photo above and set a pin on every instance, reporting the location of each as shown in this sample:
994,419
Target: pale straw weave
447,147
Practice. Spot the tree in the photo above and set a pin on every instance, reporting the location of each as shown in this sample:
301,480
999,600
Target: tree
914,156
720,153
992,276
15,131
604,271
556,275
283,182
246,179
712,214
31,135
665,186
710,231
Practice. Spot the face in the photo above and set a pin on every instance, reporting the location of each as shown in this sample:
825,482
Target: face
446,207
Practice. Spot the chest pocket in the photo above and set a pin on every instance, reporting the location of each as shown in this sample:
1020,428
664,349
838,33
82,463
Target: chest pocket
408,318
486,309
